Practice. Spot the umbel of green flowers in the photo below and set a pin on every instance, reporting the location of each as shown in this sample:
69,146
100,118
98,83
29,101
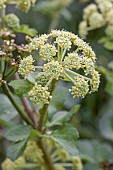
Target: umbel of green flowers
101,12
64,54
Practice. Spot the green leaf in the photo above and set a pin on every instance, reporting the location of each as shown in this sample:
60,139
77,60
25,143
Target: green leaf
18,133
7,111
60,95
109,45
26,30
92,167
63,116
109,88
16,149
104,39
21,86
66,136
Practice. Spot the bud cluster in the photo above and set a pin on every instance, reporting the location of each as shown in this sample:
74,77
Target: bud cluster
26,66
34,155
102,13
40,94
60,60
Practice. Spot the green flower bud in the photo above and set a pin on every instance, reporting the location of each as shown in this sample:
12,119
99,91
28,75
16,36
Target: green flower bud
53,69
41,79
95,81
73,60
33,153
47,52
89,10
25,66
8,165
77,164
80,88
83,29
39,94
12,21
96,16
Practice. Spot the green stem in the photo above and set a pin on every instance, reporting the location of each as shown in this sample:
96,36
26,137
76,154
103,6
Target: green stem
46,156
10,73
2,66
15,104
43,111
3,17
5,67
76,74
63,54
69,77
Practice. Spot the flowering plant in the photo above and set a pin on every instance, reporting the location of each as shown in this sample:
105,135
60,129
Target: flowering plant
40,142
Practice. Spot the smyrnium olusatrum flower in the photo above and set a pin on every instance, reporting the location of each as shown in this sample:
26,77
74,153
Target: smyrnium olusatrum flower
62,51
40,94
26,66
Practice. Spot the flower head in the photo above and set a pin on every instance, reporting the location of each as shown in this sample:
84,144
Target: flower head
39,94
26,66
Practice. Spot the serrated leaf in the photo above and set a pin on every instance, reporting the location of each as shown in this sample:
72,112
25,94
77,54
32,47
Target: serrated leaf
26,30
18,133
63,116
7,111
16,149
66,136
21,86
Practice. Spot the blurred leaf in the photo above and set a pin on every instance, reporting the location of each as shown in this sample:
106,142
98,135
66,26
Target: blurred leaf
109,88
59,96
63,116
31,77
106,125
110,65
21,86
91,167
16,149
95,151
7,111
47,7
67,136
26,30
66,14
104,40
109,85
109,45
18,133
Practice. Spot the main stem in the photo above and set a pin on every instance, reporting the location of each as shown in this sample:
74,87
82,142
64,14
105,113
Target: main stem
43,112
45,107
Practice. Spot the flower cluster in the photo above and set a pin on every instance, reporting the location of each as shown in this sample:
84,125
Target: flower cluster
56,49
102,13
34,155
47,51
26,66
80,88
39,94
